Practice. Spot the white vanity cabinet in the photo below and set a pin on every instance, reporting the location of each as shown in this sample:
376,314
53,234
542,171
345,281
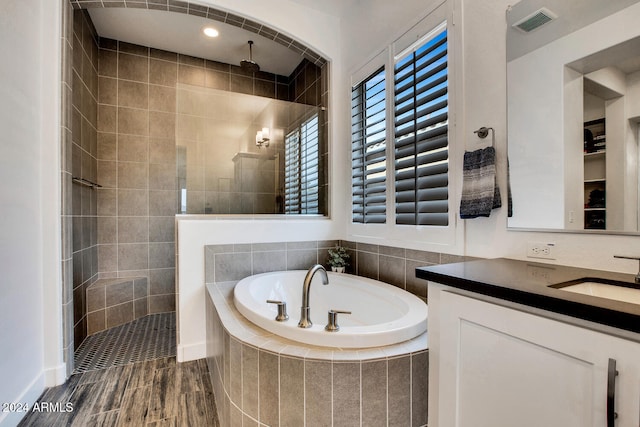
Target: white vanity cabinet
497,366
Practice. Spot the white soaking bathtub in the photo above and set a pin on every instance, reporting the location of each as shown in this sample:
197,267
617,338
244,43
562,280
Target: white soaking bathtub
382,314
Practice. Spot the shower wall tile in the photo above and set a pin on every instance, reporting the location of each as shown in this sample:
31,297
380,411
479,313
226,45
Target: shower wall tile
132,175
107,230
133,148
241,84
79,157
107,146
161,255
162,125
132,202
107,174
162,150
133,121
161,229
133,67
133,229
217,80
162,281
107,202
133,94
192,75
163,202
133,256
162,98
161,177
162,303
163,72
107,118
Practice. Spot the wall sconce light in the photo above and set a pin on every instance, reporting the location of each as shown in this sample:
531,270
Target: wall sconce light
262,138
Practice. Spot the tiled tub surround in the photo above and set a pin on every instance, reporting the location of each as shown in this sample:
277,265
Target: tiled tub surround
263,380
396,266
112,302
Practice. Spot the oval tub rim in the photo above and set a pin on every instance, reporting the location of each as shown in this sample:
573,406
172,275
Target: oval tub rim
405,327
241,329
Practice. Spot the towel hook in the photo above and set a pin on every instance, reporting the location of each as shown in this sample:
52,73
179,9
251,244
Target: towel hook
483,132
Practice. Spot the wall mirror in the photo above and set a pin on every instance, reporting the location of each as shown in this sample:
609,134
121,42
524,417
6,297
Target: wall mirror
573,106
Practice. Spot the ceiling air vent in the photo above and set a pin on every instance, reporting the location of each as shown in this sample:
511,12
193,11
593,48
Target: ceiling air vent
535,20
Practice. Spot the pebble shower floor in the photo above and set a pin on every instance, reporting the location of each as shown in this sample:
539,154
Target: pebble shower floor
147,338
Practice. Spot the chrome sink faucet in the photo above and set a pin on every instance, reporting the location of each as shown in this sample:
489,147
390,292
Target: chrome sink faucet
305,320
637,278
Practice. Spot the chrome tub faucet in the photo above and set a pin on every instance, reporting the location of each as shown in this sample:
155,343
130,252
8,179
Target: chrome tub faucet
305,320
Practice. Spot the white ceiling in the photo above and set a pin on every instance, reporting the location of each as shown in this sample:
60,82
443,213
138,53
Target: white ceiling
182,33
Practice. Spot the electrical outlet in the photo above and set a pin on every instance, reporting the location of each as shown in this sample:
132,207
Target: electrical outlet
541,250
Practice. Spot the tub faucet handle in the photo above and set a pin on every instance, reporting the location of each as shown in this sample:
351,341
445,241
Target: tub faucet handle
332,320
637,278
282,310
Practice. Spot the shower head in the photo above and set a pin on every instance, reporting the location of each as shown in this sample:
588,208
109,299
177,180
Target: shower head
249,65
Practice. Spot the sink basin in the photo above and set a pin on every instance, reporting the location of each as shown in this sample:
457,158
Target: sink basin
602,288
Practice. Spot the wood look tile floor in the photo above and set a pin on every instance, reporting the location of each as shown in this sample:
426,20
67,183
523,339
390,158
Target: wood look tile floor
156,393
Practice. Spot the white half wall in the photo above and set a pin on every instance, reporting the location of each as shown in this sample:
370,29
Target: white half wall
194,233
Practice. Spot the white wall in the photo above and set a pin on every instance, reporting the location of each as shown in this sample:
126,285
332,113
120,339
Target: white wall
30,306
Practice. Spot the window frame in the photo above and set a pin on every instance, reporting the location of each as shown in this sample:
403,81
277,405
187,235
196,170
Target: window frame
302,156
425,237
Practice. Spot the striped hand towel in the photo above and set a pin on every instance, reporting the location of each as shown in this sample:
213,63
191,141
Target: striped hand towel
480,192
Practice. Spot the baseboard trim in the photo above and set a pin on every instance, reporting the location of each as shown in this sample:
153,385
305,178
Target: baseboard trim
26,400
186,353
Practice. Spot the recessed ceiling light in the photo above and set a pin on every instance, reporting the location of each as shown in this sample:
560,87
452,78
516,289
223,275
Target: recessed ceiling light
210,32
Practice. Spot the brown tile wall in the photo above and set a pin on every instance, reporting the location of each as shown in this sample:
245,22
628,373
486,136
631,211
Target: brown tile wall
136,150
84,122
110,232
112,302
137,167
396,266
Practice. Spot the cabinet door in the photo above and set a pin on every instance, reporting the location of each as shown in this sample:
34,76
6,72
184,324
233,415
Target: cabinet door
500,367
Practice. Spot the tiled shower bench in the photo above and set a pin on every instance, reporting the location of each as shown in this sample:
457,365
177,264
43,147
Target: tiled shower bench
114,301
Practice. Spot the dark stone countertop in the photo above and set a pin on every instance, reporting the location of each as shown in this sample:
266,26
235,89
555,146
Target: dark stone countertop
528,283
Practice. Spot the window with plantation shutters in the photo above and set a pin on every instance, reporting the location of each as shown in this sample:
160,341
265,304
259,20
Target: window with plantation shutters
368,145
301,169
421,116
